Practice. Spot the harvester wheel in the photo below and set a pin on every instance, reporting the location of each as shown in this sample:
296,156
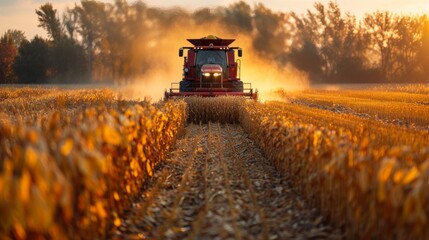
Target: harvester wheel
237,86
185,86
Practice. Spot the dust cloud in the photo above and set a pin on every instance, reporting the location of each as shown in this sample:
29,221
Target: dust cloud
162,46
267,76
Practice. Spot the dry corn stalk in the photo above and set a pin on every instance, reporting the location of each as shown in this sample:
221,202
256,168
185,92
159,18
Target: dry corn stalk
72,179
219,109
372,191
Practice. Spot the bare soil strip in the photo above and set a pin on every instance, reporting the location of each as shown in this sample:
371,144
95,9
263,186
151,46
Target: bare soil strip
216,184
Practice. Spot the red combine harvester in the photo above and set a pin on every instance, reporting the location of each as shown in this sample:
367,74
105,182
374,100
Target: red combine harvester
210,70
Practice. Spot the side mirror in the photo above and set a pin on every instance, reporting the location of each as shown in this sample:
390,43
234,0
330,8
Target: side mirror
180,52
240,52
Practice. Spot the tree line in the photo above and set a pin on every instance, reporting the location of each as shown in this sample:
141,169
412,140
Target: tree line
111,42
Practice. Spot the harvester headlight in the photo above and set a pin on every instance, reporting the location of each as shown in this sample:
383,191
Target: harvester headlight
206,74
216,74
186,69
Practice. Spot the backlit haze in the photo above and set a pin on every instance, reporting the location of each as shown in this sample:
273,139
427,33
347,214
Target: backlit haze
20,14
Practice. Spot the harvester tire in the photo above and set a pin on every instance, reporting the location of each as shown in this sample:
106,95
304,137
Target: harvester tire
185,86
237,86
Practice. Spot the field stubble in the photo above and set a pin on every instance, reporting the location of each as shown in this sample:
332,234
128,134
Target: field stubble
397,108
220,186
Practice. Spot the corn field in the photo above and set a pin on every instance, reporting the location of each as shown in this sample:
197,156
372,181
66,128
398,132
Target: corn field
70,175
84,164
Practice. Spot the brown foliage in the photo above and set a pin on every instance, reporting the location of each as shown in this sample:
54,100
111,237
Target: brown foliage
8,53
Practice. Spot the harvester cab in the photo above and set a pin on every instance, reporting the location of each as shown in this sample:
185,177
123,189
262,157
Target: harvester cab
210,69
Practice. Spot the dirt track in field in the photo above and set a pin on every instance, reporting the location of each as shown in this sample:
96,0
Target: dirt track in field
216,184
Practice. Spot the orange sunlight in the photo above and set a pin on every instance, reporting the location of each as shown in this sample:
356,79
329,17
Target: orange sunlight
263,74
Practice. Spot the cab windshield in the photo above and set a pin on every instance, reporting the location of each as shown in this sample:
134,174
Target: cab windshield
210,57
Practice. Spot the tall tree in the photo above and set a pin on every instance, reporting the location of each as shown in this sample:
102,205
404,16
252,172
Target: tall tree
306,58
325,42
423,55
92,19
335,37
8,52
70,22
304,53
407,44
68,62
32,65
17,36
381,28
48,20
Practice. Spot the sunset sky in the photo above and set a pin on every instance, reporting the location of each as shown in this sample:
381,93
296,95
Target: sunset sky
20,14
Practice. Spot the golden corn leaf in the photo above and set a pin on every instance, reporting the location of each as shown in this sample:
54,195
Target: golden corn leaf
67,146
200,150
139,148
25,186
31,157
398,176
19,230
316,138
149,168
385,170
133,164
100,209
117,222
411,175
116,196
148,124
111,136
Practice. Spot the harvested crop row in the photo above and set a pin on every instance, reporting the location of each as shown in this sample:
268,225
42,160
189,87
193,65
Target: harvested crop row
357,95
410,109
377,132
372,191
219,186
72,178
407,88
29,104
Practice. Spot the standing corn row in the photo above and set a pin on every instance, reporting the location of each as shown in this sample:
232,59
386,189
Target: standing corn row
373,192
72,177
219,109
